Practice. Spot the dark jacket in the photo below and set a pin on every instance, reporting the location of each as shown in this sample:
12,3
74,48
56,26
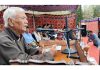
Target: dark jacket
13,47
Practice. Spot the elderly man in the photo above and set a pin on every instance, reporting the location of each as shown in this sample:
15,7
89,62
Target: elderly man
12,44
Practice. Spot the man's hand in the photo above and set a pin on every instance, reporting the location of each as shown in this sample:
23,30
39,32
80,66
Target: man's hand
51,49
40,49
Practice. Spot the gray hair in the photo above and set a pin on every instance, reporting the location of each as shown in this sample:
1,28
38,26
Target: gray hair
10,13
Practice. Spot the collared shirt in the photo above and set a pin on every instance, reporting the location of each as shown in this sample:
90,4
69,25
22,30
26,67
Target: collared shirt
28,37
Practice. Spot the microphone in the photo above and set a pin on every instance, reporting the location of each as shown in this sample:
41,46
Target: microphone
43,29
78,29
56,30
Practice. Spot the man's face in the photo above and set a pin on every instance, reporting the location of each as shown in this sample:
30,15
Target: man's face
20,22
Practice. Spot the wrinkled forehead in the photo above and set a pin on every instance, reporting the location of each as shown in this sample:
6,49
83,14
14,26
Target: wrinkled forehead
20,14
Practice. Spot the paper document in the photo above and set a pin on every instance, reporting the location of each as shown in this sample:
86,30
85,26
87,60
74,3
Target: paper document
58,47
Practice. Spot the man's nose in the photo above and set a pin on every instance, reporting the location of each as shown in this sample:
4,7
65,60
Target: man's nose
26,21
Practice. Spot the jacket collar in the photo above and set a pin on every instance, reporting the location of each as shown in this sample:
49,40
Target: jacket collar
11,33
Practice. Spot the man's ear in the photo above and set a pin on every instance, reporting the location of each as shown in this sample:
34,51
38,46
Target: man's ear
10,21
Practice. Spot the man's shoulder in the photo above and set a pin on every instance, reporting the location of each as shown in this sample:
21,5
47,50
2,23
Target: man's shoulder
94,34
3,34
4,37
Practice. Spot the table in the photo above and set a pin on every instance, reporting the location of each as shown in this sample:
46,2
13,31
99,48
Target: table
60,56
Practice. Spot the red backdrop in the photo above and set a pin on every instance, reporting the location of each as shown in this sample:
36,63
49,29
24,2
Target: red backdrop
38,20
57,20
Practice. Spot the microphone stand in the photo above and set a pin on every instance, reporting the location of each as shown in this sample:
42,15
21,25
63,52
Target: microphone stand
68,50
